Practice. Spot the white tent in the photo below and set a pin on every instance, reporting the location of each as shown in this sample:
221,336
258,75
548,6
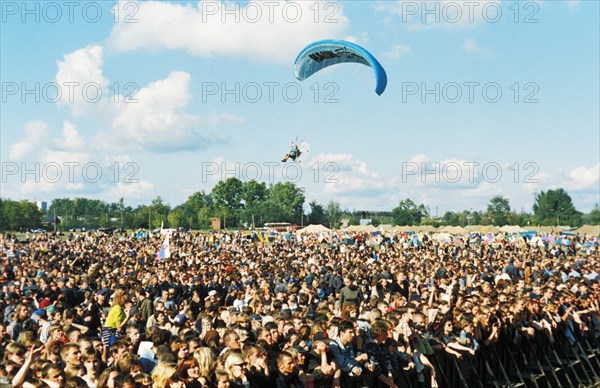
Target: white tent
592,230
457,230
425,228
512,229
443,238
362,228
314,228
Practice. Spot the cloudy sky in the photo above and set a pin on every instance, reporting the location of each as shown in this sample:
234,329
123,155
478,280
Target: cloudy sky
139,99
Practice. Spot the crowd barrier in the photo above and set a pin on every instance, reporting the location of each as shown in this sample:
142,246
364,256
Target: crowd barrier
518,361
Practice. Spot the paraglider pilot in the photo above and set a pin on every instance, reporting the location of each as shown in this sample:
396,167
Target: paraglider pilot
293,154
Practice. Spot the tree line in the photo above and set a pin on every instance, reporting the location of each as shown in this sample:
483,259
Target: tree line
248,204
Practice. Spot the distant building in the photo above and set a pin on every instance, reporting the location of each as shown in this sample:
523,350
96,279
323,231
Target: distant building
42,205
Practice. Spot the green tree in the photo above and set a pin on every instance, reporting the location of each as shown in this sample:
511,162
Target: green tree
354,220
555,206
122,213
159,212
203,217
176,218
197,203
143,218
253,193
333,214
290,199
227,197
317,213
451,218
3,222
408,213
431,221
268,211
593,217
498,210
21,215
525,220
103,221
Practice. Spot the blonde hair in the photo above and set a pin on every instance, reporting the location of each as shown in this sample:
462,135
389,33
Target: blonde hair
161,373
233,358
206,361
13,348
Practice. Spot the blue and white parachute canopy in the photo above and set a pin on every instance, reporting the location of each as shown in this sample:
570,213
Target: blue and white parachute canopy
324,53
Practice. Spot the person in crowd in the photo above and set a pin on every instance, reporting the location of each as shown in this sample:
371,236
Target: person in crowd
117,318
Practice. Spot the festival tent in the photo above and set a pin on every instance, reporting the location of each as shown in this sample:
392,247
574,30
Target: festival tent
352,228
488,238
444,238
369,229
490,228
482,228
415,240
362,228
512,229
386,227
517,239
563,241
593,230
407,228
588,244
454,230
425,228
549,228
314,228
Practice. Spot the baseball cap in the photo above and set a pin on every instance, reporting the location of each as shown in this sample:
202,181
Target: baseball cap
180,319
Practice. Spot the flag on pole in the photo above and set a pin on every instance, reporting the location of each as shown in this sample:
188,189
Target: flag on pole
165,251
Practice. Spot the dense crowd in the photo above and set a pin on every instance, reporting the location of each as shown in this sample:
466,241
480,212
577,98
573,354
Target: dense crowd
318,310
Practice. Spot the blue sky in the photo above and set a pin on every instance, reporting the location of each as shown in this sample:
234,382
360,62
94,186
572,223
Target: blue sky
484,98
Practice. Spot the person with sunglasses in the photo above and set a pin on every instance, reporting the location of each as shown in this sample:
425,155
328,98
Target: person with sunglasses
235,365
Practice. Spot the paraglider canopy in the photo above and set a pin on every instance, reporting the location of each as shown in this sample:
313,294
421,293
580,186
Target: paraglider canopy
324,53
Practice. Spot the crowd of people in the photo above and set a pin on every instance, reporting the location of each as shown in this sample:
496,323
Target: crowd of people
317,310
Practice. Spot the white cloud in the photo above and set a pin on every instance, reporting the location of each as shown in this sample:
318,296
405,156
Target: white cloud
342,174
419,158
585,178
158,120
75,186
470,46
153,118
398,51
142,190
215,119
578,181
266,31
65,166
71,140
35,133
80,78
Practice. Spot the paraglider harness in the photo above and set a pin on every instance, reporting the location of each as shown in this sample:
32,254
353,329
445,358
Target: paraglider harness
294,152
